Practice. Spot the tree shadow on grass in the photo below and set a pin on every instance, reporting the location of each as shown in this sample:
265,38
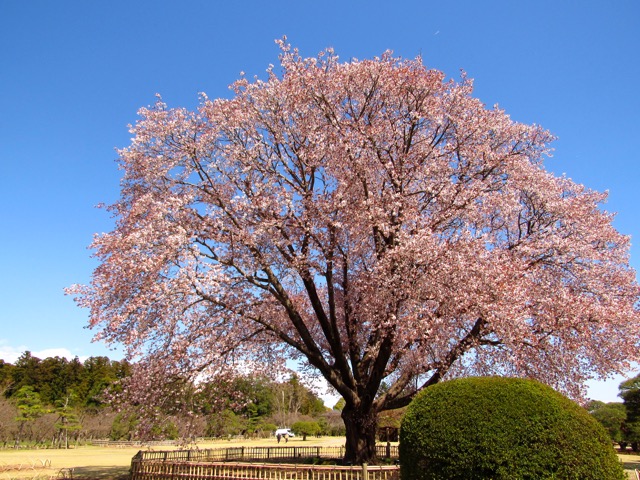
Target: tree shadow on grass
101,473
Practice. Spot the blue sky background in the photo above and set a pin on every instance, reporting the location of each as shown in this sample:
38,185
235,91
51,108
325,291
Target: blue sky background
74,73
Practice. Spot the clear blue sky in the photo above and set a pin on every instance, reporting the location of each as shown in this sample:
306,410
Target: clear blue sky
74,73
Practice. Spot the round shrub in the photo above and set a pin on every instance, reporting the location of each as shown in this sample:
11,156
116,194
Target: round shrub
502,428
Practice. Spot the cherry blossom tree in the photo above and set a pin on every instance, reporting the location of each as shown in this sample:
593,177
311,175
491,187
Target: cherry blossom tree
371,221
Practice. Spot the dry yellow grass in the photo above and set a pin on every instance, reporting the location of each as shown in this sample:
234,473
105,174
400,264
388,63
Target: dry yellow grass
90,462
108,463
630,462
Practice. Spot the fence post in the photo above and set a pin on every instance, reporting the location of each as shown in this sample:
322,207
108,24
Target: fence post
365,471
388,449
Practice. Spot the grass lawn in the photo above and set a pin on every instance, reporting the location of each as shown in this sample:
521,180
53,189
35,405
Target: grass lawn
630,461
107,463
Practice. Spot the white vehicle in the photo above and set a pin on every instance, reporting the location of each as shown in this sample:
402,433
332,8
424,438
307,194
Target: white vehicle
284,431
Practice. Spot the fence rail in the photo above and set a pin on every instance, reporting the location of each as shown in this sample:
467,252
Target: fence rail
226,464
133,443
255,453
156,470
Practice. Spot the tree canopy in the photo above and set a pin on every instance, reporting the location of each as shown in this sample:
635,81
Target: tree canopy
630,394
370,220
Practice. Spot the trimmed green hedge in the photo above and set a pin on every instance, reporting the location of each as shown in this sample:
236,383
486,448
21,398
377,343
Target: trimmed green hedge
502,428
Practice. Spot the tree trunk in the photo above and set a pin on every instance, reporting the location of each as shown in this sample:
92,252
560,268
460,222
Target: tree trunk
16,445
361,435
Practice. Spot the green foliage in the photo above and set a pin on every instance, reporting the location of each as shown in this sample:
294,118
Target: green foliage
29,404
612,416
265,429
258,394
25,372
126,424
339,404
293,399
29,408
305,428
98,374
67,421
123,426
165,430
502,428
312,405
5,375
325,428
630,393
54,378
71,389
225,423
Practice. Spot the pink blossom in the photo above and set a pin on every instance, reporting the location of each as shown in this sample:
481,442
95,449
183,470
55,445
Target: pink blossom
370,219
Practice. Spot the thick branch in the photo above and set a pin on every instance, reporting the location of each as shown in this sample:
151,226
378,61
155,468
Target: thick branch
440,368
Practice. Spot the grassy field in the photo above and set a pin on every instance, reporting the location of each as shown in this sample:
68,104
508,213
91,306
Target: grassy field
107,463
630,462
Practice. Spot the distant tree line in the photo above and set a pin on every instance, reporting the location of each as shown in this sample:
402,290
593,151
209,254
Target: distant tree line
56,379
55,401
621,419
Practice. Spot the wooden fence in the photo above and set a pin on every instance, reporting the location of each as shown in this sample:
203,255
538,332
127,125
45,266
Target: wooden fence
254,453
223,464
252,471
133,443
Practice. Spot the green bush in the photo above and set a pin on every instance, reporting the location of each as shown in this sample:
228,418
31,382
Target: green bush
305,429
502,428
265,429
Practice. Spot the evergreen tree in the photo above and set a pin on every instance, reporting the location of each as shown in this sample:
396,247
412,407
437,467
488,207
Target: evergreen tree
29,408
67,421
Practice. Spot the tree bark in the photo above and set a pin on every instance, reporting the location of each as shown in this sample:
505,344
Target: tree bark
361,435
